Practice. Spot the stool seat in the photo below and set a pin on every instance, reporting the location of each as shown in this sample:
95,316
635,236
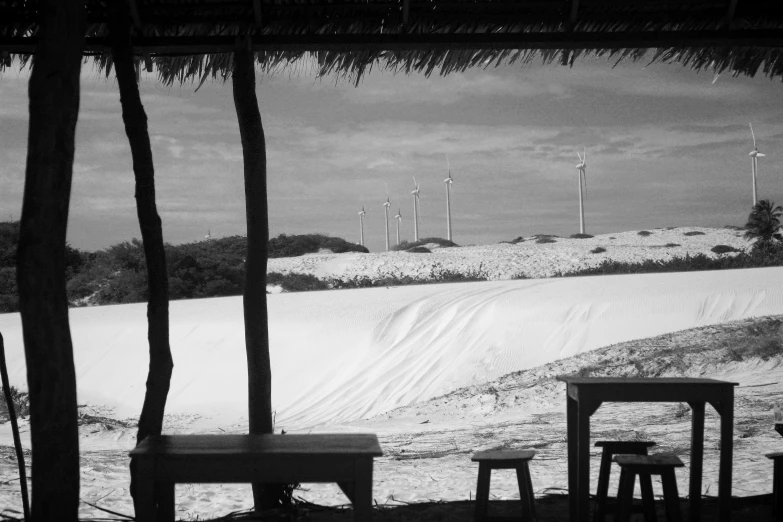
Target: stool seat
509,458
620,446
648,463
504,459
645,466
610,449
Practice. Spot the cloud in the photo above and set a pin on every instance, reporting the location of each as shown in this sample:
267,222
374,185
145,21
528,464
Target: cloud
399,89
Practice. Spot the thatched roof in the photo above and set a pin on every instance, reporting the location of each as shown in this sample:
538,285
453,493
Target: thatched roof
194,38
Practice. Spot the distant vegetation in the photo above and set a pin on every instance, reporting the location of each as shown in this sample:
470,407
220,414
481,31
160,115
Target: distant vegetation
292,246
755,259
580,236
693,233
598,250
644,233
118,274
408,245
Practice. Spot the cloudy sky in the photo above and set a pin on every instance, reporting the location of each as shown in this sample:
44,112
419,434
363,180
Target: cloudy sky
665,147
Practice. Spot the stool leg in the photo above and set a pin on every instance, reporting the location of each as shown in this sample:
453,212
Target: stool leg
530,492
671,497
603,486
777,491
625,496
526,493
648,499
482,492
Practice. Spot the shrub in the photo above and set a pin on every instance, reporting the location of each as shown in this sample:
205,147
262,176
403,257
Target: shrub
419,250
407,245
580,236
293,282
724,249
694,233
644,233
598,250
21,401
545,240
670,245
539,236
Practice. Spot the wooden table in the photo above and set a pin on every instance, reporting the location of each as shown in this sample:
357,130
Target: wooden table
584,396
162,461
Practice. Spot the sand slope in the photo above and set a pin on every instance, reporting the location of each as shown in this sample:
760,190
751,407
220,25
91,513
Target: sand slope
339,356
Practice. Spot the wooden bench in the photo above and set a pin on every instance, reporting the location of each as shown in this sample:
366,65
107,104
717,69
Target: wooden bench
162,461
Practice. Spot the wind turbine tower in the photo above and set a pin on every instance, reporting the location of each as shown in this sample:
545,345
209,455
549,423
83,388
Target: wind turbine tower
448,181
398,217
386,206
415,193
582,168
754,163
361,226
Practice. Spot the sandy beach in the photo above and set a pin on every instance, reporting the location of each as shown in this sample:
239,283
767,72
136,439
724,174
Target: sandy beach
437,371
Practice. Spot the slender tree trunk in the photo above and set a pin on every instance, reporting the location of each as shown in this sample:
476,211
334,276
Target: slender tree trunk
40,264
135,119
259,372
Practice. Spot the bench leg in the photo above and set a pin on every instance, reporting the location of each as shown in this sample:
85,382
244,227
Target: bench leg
144,490
362,491
164,496
482,493
625,496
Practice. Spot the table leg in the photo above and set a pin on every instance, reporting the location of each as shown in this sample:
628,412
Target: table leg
362,490
697,459
144,490
583,460
726,456
571,421
164,497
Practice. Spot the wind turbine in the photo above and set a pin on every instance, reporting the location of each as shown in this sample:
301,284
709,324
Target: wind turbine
415,193
582,168
398,217
754,162
386,206
448,181
361,226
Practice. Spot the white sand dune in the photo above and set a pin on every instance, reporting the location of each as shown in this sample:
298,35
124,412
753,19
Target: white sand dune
339,356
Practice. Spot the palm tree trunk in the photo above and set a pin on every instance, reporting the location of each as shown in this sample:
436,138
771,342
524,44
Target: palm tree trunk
259,374
135,120
40,264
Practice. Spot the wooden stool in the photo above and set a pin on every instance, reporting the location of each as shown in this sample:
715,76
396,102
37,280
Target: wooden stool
645,466
518,459
777,486
612,448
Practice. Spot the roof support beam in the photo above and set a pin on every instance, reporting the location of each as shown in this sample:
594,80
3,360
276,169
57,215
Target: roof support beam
135,14
730,10
257,13
398,42
574,11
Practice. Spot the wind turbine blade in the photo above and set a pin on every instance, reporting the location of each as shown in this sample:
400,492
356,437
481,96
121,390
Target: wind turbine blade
752,134
578,156
584,159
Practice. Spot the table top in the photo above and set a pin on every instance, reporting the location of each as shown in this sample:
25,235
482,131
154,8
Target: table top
335,444
631,381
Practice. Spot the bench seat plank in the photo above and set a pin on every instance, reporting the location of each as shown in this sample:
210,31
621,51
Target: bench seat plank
353,444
